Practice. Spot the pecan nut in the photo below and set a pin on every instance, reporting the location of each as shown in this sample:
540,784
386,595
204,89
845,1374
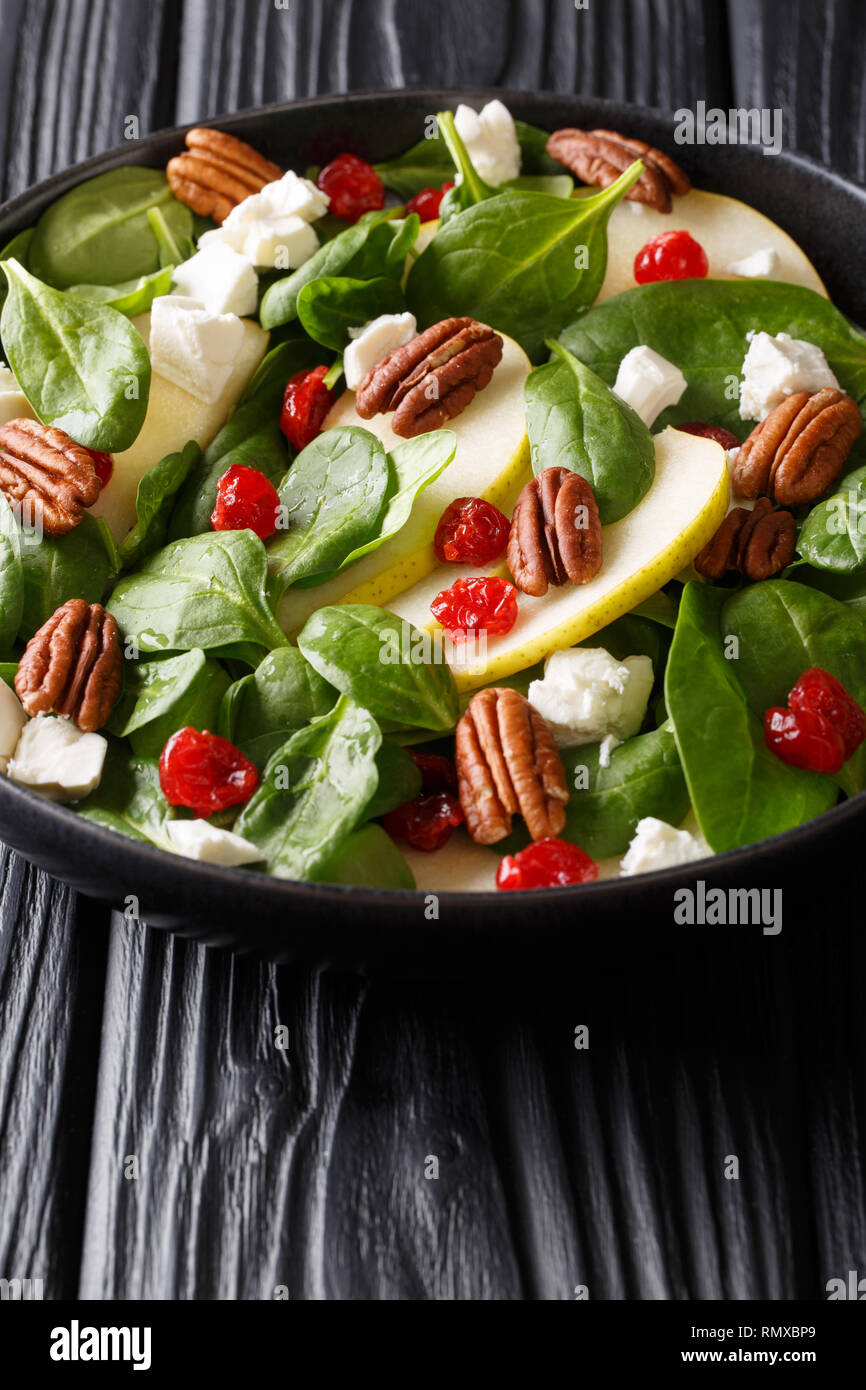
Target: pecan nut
73,666
507,762
757,543
217,172
799,450
555,533
598,157
432,378
52,478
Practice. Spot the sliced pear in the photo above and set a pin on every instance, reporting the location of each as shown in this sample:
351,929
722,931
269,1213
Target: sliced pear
173,418
683,508
491,461
727,229
461,866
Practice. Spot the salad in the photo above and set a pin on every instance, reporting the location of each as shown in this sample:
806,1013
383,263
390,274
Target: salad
494,516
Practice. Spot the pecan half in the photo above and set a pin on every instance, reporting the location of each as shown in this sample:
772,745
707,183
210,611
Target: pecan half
433,378
507,762
217,172
758,543
52,478
598,157
73,666
555,532
799,450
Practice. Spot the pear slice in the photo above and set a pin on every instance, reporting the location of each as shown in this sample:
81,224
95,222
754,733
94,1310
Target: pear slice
727,229
173,418
491,461
683,508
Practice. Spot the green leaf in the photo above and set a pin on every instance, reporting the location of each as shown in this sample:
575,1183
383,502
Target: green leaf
132,296
167,694
57,568
205,592
470,187
833,536
154,503
399,780
384,663
15,250
368,858
129,799
560,185
741,792
314,792
644,778
333,498
11,577
512,261
343,255
330,306
575,421
99,233
428,164
262,710
82,367
173,247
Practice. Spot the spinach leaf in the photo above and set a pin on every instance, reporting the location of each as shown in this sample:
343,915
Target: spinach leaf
833,536
428,164
205,592
11,577
560,185
8,671
330,306
167,694
57,568
332,498
132,296
849,589
343,255
284,694
403,234
368,858
701,326
644,778
632,635
252,437
154,502
470,187
173,247
741,792
783,628
99,233
524,262
313,792
384,663
82,367
575,421
129,798
16,250
399,780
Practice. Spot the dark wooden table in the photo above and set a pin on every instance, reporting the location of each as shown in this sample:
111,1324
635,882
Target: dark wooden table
155,1141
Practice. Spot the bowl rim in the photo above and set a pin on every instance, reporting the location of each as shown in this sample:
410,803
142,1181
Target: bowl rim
145,857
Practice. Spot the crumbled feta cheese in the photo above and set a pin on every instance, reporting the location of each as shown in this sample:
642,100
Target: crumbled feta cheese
776,367
14,405
491,141
283,243
192,347
588,697
12,721
271,228
657,845
220,278
761,264
198,839
373,341
648,383
56,759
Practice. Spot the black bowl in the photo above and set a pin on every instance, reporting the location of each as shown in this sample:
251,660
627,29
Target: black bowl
360,929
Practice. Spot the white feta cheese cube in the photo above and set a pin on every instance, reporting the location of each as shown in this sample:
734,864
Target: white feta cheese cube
648,383
281,242
14,405
657,845
220,278
271,228
586,696
373,341
198,839
761,264
776,367
491,141
56,759
192,347
12,721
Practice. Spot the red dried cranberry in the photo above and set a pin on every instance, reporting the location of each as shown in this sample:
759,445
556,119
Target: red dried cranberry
471,532
476,605
671,256
820,693
803,739
438,774
426,203
246,501
306,402
716,432
353,187
545,864
205,773
427,822
104,465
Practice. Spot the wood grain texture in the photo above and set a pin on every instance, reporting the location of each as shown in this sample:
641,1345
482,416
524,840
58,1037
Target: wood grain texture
312,1168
